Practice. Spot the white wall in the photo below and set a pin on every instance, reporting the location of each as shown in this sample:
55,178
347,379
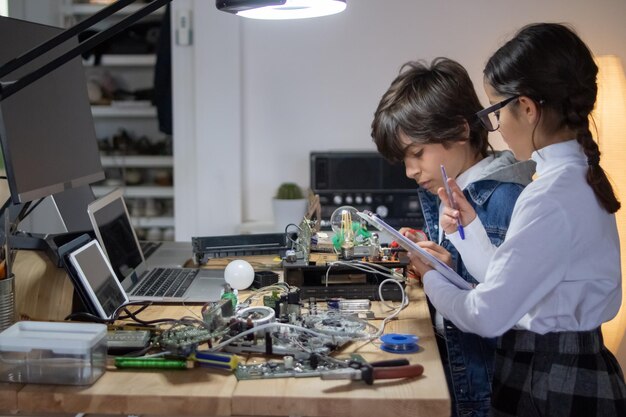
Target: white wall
46,12
314,84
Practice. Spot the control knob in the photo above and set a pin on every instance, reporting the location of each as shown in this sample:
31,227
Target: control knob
382,211
337,199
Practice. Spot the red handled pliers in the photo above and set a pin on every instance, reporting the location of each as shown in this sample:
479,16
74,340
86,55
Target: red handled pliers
369,372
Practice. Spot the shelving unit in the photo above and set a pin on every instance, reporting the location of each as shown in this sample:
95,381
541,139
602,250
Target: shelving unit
123,111
123,61
137,191
147,179
139,161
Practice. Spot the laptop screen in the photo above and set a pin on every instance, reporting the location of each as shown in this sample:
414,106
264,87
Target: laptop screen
118,237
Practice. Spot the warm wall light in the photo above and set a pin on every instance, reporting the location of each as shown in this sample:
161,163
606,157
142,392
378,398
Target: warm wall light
281,9
610,119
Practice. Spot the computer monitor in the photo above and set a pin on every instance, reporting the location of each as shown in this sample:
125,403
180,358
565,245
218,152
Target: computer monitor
46,130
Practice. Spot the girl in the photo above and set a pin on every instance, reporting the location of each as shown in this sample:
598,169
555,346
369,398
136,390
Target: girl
556,278
425,119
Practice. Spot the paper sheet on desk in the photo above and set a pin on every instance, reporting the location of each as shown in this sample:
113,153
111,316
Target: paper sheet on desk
410,246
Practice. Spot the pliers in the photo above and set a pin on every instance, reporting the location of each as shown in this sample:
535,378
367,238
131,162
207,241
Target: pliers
369,372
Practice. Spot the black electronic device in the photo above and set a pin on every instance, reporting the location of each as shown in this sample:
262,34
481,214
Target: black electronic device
46,131
342,281
54,243
366,181
264,279
208,247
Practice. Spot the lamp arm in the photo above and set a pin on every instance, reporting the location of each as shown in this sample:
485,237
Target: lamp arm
7,89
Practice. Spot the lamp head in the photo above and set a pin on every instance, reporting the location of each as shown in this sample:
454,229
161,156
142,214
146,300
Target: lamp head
281,9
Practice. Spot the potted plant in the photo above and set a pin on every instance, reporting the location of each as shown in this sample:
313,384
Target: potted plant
289,205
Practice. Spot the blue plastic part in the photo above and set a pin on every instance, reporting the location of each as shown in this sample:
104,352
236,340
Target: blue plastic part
399,343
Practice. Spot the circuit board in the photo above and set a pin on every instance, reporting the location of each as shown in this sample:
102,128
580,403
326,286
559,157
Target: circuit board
291,368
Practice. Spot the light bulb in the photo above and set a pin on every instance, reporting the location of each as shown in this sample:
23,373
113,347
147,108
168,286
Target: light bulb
239,274
340,214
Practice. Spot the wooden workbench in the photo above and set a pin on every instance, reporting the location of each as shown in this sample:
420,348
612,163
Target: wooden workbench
210,392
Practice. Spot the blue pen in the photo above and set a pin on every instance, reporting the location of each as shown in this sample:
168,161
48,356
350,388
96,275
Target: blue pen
449,192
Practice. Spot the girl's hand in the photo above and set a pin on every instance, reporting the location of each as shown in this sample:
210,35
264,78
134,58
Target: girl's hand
463,212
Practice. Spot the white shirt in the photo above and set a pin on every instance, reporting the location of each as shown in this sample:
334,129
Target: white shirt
559,266
467,177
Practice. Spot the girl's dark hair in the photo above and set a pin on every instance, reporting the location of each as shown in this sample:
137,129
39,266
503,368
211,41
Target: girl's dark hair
550,64
429,104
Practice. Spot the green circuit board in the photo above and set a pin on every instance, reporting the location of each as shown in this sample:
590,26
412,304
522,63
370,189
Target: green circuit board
293,369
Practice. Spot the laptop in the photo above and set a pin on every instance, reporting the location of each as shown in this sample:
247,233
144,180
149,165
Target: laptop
171,254
156,254
112,227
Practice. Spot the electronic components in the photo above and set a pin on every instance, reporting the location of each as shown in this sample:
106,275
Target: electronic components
264,279
327,330
345,280
309,366
124,341
183,340
350,305
257,316
304,333
217,314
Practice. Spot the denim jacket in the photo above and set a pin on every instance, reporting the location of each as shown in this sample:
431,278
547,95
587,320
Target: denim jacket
468,358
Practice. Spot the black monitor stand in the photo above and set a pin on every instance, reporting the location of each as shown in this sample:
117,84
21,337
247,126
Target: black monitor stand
20,240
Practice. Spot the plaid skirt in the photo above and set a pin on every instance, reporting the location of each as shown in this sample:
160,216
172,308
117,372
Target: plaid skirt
556,374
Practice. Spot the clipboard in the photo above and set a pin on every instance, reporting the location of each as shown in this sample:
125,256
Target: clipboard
410,246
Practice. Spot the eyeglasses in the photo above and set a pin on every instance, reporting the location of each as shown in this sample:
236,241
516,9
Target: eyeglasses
490,117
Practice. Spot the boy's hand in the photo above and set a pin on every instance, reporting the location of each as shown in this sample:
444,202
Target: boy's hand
417,266
464,210
437,251
434,249
413,235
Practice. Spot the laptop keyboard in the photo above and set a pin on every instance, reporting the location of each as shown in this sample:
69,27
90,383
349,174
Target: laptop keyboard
148,248
166,282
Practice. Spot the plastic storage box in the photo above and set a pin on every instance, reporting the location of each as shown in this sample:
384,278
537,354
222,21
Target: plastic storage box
53,353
